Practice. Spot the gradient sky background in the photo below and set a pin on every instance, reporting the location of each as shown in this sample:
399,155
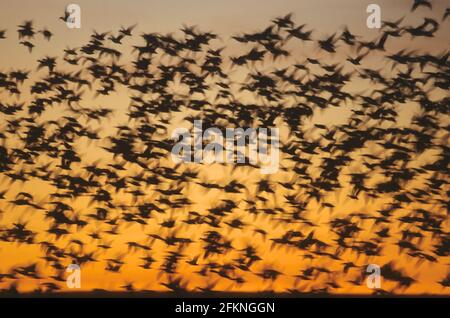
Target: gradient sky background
225,18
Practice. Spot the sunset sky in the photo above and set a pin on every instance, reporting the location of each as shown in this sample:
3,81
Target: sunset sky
225,18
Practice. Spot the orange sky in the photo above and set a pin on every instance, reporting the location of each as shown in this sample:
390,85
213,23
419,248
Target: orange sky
225,18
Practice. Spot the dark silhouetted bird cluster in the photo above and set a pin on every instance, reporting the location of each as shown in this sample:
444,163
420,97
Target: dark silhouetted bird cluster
90,184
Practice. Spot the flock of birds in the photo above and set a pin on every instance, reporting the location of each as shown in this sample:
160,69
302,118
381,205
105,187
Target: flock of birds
89,212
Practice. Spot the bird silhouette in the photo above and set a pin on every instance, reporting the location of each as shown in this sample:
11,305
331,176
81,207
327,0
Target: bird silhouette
369,187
